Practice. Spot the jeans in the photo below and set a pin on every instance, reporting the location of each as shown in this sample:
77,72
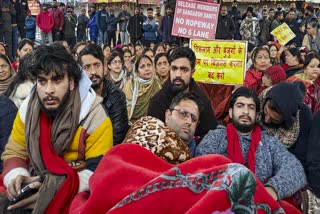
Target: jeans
112,37
102,37
81,36
46,35
124,37
15,41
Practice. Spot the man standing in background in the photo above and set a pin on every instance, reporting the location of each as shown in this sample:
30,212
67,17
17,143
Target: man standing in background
21,7
101,19
235,15
225,25
123,18
58,18
135,26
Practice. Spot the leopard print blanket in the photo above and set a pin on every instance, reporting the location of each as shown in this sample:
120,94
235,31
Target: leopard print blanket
154,135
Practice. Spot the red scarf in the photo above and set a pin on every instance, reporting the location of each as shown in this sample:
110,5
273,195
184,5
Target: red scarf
57,165
234,149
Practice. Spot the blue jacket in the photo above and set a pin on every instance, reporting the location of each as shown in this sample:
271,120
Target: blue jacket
101,17
30,24
112,23
150,28
8,112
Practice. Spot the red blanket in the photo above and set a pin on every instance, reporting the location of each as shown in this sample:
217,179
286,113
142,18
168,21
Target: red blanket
131,179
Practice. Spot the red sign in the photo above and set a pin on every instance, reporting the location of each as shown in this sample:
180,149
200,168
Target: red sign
195,19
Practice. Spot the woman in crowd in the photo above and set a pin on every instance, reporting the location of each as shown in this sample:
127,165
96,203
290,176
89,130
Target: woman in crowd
310,78
140,89
149,53
274,58
159,48
161,62
106,49
138,48
106,52
261,62
21,85
292,62
7,73
3,49
117,71
312,38
25,46
127,62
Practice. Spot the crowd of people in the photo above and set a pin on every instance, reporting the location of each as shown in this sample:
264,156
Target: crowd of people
118,124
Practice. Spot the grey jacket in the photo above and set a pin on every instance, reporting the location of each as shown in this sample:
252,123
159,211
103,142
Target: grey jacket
275,166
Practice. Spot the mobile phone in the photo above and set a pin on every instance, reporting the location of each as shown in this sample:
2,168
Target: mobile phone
26,192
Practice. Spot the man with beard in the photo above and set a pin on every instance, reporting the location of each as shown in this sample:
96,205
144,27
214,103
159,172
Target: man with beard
277,21
58,17
225,26
264,35
309,14
182,66
166,27
45,23
245,143
235,14
91,60
59,135
150,28
134,27
285,116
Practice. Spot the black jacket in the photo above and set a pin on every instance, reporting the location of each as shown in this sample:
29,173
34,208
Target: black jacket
135,26
8,112
161,101
225,28
289,99
313,156
114,101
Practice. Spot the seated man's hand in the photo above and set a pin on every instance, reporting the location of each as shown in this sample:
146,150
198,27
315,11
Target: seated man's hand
272,192
14,189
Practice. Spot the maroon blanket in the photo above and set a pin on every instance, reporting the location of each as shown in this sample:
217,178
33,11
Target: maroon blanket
131,179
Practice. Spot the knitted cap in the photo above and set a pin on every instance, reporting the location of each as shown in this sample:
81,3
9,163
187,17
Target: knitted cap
276,73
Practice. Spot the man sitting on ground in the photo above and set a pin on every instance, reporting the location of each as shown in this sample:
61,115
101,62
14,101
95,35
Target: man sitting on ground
243,142
91,60
62,129
173,141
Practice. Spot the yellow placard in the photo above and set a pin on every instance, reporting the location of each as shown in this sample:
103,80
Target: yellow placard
283,33
220,61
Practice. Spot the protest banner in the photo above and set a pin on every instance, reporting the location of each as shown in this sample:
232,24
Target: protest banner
34,7
283,33
220,61
195,19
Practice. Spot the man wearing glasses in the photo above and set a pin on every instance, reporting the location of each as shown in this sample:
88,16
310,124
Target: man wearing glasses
182,67
183,117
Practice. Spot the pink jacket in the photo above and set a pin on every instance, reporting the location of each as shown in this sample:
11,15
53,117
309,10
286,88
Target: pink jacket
45,21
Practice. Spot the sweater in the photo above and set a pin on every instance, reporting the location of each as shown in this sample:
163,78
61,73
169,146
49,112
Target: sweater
275,166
